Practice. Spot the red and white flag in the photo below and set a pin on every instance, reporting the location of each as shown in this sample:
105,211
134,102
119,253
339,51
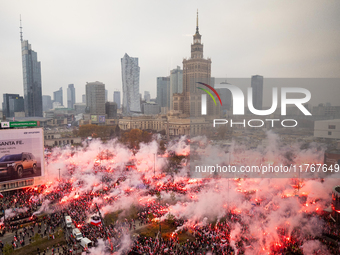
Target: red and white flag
96,221
1,196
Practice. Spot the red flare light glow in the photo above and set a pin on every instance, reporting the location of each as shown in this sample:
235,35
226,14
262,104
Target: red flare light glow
260,216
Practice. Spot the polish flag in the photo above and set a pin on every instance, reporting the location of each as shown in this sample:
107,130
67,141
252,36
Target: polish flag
96,221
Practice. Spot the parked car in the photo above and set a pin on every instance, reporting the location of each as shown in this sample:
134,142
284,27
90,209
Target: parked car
17,164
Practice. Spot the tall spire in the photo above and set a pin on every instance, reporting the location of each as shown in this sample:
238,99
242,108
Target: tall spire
20,29
197,23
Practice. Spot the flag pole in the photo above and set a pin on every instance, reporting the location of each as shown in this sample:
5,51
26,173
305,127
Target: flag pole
104,227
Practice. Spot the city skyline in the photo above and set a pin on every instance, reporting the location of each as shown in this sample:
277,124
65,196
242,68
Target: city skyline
242,39
71,96
31,70
131,89
95,98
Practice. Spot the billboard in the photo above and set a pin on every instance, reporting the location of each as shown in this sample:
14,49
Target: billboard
94,118
101,119
21,154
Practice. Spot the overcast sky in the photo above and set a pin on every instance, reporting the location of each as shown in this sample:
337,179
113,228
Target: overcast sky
82,41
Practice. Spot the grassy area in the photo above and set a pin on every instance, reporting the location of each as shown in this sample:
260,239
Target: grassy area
112,217
129,214
167,228
149,230
152,229
183,237
41,243
41,216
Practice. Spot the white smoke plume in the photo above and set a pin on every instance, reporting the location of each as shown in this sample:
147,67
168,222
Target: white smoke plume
263,204
312,247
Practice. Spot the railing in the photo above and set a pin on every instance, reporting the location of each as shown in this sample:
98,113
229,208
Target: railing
16,184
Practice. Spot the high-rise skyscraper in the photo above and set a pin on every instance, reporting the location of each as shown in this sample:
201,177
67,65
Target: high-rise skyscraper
71,96
163,91
226,97
106,95
111,110
130,80
147,96
83,98
196,69
47,103
12,103
32,79
58,96
95,97
116,98
257,85
176,84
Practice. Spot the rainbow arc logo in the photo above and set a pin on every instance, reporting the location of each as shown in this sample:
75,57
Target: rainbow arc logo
204,97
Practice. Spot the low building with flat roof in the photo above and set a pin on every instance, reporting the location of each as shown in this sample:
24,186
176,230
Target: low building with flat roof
327,129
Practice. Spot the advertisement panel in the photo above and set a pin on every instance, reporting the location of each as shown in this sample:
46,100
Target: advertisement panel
101,119
94,118
21,154
19,124
5,124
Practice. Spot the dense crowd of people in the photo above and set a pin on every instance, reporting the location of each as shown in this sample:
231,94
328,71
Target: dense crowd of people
42,210
216,238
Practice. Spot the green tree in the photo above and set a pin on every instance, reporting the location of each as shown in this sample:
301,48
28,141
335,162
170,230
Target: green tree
117,130
95,131
134,137
8,249
162,147
146,136
87,130
36,237
75,132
